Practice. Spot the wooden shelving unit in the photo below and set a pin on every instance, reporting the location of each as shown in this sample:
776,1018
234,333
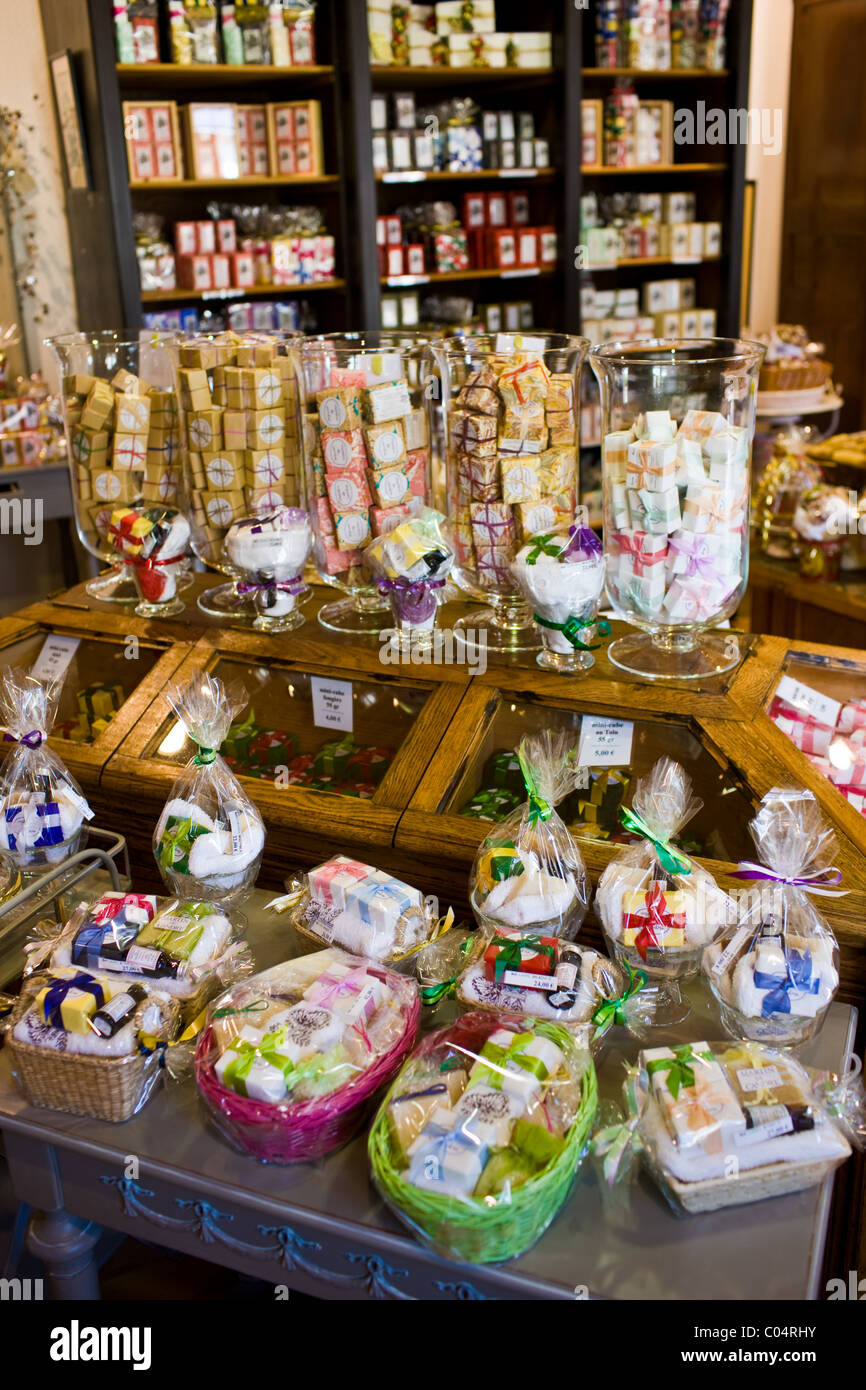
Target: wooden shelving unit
261,181
253,292
398,176
406,282
179,75
608,171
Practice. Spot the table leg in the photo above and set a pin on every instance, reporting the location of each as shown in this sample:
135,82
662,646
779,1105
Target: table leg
65,1245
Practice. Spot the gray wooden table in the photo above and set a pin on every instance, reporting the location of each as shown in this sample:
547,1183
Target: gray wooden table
166,1176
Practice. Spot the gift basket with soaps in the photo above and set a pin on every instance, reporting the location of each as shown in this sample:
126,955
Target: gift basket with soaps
209,838
775,973
363,909
477,1143
187,950
42,807
528,872
89,1042
291,1057
722,1124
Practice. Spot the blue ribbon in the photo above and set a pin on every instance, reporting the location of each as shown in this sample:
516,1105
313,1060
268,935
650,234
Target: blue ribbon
436,1147
58,991
52,831
799,978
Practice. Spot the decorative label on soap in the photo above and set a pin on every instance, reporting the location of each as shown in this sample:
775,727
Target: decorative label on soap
758,1078
810,701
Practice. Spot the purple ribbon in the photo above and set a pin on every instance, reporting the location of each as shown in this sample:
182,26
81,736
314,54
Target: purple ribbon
31,740
700,558
812,883
286,586
414,588
51,1008
583,541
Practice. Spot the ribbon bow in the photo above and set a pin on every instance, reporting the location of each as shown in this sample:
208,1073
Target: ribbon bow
583,538
799,978
632,545
496,1061
330,987
285,586
510,955
52,1007
612,1011
412,588
679,1068
173,839
204,756
539,809
237,1071
655,904
700,558
31,740
614,1143
811,883
255,1008
673,861
545,545
571,628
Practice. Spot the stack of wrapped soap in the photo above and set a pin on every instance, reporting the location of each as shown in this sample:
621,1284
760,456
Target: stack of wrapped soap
846,769
97,705
676,515
365,909
240,398
368,451
125,446
512,462
593,811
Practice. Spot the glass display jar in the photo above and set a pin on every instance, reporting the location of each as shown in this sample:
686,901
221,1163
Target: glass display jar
511,418
120,417
366,436
240,423
678,419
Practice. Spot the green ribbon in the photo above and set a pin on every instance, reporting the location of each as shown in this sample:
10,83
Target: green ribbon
671,860
172,840
679,1068
497,1057
544,545
255,1008
572,627
237,1071
434,994
510,956
612,1011
204,756
538,807
616,1142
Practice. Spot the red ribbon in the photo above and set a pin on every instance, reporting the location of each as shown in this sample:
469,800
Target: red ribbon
631,545
656,917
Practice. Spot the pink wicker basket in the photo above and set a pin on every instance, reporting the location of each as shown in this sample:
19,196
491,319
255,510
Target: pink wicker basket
310,1128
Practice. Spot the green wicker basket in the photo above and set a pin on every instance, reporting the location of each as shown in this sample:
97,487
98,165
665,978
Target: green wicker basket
473,1230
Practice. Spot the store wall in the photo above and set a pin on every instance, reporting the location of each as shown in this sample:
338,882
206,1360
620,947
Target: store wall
772,29
25,86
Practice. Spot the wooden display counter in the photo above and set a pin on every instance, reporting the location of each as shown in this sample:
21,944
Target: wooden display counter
785,604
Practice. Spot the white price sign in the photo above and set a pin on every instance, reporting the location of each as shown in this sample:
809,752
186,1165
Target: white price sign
605,742
518,342
52,662
810,701
332,703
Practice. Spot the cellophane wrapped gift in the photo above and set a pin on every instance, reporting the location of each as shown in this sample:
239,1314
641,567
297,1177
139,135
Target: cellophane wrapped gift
776,971
724,1123
478,1141
89,1043
291,1058
43,809
562,576
658,908
550,978
187,950
412,563
209,838
528,873
344,902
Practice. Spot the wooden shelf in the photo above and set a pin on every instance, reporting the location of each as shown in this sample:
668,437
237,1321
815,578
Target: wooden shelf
218,74
254,292
407,282
629,261
399,176
590,170
656,74
260,181
399,76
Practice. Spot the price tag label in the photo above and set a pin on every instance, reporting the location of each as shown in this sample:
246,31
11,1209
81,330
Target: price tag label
605,742
758,1078
523,979
53,661
518,342
810,701
332,703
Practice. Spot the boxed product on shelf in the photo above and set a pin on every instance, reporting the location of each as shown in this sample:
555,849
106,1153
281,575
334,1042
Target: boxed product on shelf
295,137
494,234
400,310
252,126
452,137
153,146
591,124
656,35
636,132
454,33
629,225
193,32
210,130
136,31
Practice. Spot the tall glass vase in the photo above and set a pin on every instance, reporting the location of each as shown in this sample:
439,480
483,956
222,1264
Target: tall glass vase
120,417
366,434
240,427
511,414
678,421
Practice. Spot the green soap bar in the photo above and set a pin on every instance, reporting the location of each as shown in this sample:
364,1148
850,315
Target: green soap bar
503,1166
535,1143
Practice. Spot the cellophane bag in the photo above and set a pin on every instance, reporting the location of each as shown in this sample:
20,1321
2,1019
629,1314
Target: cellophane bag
658,908
724,1123
776,971
43,809
528,873
88,1042
291,1058
477,1143
209,838
347,903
